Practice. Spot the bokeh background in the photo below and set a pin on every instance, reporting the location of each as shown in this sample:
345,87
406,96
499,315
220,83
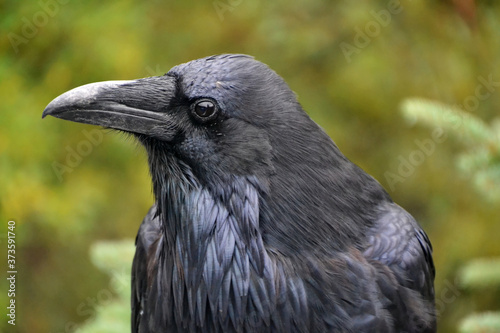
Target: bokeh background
351,63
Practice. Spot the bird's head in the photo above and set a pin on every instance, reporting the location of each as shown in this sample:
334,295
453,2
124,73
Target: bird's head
221,115
225,117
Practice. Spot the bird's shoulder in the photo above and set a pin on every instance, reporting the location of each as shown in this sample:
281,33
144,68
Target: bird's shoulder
392,275
401,254
397,240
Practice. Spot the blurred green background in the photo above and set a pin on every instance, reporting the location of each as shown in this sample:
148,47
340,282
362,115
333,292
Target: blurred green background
352,63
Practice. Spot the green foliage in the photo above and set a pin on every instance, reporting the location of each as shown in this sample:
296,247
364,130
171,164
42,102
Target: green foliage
115,259
480,273
468,128
111,318
480,162
481,159
113,256
481,323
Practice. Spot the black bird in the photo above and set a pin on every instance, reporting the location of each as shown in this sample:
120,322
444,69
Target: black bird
260,224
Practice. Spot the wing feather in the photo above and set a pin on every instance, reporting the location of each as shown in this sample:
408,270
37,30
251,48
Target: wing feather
145,261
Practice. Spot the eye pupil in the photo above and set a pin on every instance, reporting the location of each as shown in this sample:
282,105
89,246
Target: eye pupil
204,109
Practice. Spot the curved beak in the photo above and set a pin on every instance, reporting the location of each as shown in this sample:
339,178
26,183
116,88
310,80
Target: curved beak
137,106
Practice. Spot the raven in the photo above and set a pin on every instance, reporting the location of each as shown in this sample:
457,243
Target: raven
260,223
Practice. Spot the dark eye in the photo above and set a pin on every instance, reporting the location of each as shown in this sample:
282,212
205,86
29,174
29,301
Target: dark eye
205,110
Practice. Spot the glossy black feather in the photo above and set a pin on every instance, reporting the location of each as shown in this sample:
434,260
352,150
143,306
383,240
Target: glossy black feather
266,227
260,224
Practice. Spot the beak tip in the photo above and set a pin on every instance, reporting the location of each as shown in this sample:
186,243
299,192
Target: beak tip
50,109
78,97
